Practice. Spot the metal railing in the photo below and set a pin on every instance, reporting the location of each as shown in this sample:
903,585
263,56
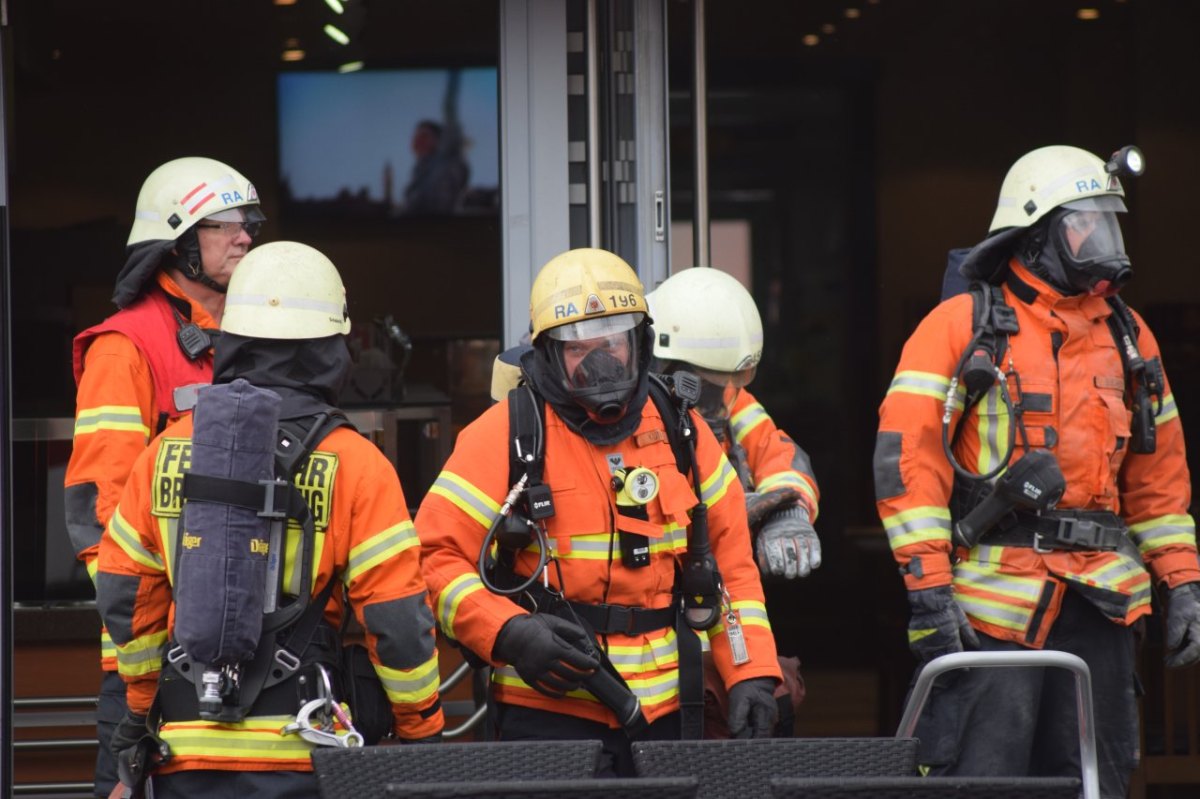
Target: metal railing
1046,658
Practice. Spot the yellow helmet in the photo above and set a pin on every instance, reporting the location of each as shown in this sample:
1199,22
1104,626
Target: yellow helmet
588,320
583,285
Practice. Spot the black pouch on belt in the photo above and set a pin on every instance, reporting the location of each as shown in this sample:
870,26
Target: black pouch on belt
370,708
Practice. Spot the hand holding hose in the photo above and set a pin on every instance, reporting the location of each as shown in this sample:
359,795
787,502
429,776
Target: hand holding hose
548,652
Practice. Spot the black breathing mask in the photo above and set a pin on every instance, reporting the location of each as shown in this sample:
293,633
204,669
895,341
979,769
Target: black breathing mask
1082,249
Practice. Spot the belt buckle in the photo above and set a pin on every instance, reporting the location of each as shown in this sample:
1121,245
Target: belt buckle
1037,543
619,619
1079,533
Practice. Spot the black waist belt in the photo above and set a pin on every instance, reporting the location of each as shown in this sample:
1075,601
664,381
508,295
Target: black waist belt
1077,530
606,619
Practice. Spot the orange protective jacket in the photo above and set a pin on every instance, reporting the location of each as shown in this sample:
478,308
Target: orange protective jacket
364,539
773,459
1072,385
456,513
118,408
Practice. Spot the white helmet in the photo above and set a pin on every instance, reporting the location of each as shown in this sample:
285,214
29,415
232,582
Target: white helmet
1074,180
181,192
1048,177
706,318
286,290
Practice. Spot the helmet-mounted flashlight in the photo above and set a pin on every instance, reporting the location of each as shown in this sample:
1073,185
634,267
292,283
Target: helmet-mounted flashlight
1126,161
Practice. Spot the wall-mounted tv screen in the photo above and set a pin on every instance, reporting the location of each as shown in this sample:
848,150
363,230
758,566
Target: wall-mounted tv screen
389,143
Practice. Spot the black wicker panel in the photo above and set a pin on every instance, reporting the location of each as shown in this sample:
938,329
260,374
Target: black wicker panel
740,769
636,788
926,788
363,773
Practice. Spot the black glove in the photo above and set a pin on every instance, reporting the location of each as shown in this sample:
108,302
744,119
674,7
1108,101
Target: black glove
938,625
129,731
752,708
1183,624
788,545
547,651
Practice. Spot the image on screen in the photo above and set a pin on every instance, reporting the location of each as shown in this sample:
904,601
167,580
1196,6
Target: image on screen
389,143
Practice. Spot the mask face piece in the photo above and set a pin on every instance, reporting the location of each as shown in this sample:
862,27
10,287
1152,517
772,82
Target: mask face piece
600,373
719,391
1089,245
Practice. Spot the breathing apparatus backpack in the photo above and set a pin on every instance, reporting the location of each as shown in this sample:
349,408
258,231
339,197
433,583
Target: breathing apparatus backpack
981,367
520,522
235,636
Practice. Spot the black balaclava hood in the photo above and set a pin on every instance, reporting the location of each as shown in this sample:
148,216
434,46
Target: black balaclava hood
307,373
546,381
1043,260
142,260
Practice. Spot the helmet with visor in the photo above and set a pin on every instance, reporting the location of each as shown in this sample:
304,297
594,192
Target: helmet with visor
588,317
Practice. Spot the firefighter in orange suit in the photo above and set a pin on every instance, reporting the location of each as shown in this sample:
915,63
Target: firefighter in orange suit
1058,370
591,350
706,322
283,329
140,368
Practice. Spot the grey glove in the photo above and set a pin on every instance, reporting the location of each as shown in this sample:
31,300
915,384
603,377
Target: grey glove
547,651
938,625
1183,624
752,708
760,506
788,545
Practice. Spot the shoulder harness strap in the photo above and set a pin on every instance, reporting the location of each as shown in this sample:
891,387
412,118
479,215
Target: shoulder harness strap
1144,379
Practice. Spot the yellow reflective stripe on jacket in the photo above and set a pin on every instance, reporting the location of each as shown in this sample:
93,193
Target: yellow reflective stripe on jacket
292,559
993,611
1164,531
466,497
130,542
255,738
649,690
1169,410
751,613
127,418
379,548
452,596
1122,574
712,489
655,690
655,654
788,479
591,546
143,655
598,546
410,686
992,424
168,533
745,420
912,526
108,649
926,384
1011,600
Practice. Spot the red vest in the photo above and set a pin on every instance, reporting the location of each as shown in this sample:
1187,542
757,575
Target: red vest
150,323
